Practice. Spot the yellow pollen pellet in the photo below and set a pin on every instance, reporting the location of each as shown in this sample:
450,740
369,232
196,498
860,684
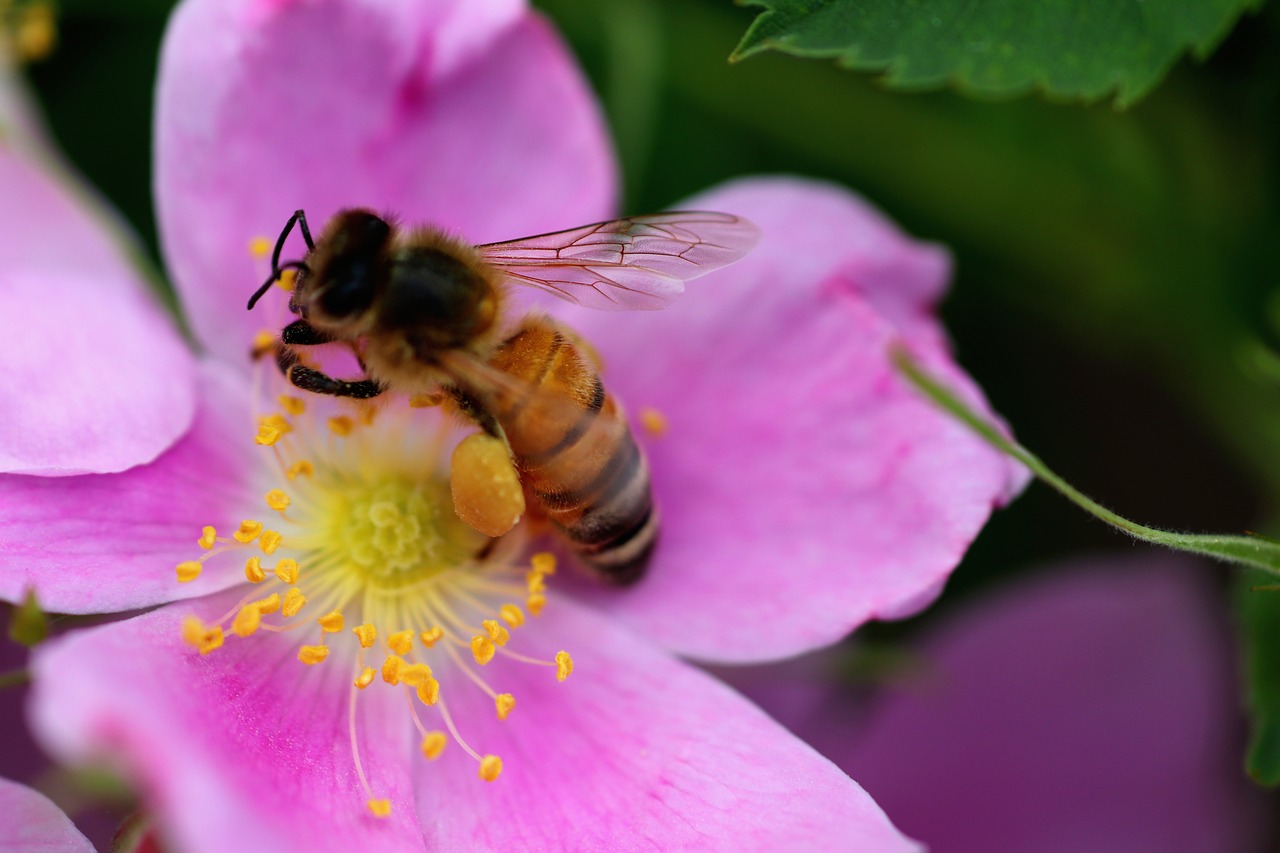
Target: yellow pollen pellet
564,665
267,435
379,808
367,635
653,421
535,603
270,604
543,562
415,674
342,425
429,692
426,401
505,703
391,669
277,500
259,246
433,744
188,571
248,531
512,615
288,280
293,601
312,655
208,536
496,632
301,468
490,768
431,636
270,541
401,642
482,648
287,570
293,405
247,620
253,570
365,678
331,622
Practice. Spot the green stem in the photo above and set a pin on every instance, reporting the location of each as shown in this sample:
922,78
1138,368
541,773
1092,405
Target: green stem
1244,550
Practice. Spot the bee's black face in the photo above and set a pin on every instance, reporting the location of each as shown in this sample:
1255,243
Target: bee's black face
345,283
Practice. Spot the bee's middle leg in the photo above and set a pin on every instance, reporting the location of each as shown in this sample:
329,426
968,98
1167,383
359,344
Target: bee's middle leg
301,333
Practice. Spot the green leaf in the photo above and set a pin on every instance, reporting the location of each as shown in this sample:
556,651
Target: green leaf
1083,49
28,625
1252,551
1259,613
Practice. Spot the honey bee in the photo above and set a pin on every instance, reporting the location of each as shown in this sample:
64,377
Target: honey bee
423,313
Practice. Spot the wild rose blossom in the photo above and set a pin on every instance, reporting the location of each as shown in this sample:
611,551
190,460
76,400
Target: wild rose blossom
31,822
804,489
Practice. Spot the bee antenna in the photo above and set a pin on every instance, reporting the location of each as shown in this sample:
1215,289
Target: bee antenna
275,276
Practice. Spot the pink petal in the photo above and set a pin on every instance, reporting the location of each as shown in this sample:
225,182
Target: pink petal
32,824
635,751
470,116
1092,708
96,378
102,543
243,749
803,487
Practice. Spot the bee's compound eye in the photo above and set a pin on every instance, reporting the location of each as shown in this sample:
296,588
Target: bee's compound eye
359,240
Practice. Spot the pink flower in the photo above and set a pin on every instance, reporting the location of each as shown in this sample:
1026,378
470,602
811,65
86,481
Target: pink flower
804,489
31,822
1089,708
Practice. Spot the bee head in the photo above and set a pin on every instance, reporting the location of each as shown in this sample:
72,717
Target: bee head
345,271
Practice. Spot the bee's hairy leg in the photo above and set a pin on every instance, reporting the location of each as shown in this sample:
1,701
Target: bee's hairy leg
310,379
301,333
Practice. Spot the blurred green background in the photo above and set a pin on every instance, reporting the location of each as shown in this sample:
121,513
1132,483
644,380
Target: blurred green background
1115,271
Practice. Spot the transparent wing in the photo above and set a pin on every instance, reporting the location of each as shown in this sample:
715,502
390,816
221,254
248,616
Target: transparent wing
638,263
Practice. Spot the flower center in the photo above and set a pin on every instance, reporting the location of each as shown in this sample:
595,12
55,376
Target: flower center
374,570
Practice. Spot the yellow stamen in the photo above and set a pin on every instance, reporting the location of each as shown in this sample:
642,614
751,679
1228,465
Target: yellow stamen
415,674
564,665
391,669
543,562
379,808
287,282
365,678
248,531
203,637
293,601
535,603
287,570
267,435
433,743
270,541
535,581
208,536
341,425
505,704
247,620
301,468
497,633
277,500
490,768
293,405
512,615
312,655
278,421
367,634
264,341
270,604
253,570
426,401
331,622
401,642
431,636
429,692
482,649
259,246
653,421
188,571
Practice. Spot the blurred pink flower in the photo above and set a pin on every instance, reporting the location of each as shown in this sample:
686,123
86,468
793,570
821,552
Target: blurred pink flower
1090,708
804,489
31,823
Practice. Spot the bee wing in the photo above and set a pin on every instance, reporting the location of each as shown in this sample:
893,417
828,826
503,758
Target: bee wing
638,263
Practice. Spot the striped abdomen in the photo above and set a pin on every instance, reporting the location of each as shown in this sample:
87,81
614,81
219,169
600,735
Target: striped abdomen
577,458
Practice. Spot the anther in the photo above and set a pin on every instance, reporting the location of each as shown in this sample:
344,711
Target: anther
267,435
401,642
429,692
277,500
259,246
301,468
270,604
248,531
496,632
482,649
543,562
367,635
564,665
433,743
287,281
331,622
431,636
535,581
653,421
204,638
426,401
293,601
293,405
253,570
341,425
312,655
380,808
512,615
535,603
270,541
490,768
247,620
208,536
505,704
415,674
391,669
188,571
263,342
365,678
287,570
